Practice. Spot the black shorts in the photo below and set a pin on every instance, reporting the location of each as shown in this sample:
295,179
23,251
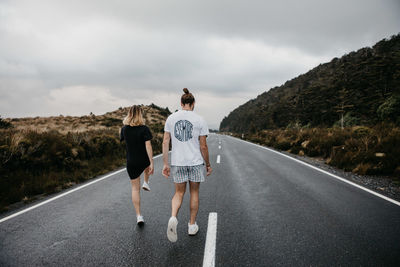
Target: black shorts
135,171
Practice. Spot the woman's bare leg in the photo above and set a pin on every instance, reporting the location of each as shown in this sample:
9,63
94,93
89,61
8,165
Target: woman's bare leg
136,194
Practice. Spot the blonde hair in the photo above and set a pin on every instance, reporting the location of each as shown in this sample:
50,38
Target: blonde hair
134,117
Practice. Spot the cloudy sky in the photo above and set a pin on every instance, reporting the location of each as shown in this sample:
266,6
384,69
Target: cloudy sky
76,57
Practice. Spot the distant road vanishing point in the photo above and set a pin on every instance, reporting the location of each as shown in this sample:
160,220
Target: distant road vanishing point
272,211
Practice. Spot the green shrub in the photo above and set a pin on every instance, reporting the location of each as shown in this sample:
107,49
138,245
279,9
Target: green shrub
348,120
390,109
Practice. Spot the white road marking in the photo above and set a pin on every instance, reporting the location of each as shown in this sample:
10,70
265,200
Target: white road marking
328,173
211,240
64,194
218,159
219,147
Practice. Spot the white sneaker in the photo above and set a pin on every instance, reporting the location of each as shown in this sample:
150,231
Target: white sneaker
140,220
193,228
171,231
146,186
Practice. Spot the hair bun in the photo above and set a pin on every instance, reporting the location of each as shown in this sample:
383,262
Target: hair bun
186,90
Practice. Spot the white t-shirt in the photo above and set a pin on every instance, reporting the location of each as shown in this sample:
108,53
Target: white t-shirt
185,127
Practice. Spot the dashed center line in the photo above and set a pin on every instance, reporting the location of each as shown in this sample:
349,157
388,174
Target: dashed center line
211,240
218,159
219,147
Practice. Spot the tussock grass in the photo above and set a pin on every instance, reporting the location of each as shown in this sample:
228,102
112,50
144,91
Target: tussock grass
45,155
360,149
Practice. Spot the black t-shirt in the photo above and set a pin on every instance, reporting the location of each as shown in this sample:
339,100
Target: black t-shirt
135,138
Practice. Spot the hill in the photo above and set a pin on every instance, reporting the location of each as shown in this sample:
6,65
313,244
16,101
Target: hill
153,115
42,155
360,88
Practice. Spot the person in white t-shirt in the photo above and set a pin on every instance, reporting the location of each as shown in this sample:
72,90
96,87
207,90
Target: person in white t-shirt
188,133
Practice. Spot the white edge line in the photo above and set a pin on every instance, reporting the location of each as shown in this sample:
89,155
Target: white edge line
64,194
218,159
323,171
211,240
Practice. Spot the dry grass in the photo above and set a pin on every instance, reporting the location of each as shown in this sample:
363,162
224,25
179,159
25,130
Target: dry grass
65,124
360,149
44,155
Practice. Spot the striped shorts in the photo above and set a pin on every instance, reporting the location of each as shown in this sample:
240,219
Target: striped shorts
182,174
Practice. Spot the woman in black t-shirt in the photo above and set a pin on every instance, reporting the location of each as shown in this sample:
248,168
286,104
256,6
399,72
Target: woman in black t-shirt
139,154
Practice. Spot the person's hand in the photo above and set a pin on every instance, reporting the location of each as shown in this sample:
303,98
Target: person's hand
166,171
151,168
209,170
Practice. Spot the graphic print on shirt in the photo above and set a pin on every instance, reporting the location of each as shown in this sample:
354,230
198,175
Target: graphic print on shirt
183,130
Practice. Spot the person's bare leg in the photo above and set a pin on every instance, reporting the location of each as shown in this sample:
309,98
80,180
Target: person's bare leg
177,198
194,200
146,175
136,194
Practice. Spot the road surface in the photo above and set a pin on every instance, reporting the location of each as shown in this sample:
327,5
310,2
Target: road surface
271,211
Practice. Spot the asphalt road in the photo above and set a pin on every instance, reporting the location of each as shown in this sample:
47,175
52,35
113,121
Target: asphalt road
272,211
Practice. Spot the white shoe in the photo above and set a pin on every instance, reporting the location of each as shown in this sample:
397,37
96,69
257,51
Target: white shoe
140,220
171,231
193,228
146,186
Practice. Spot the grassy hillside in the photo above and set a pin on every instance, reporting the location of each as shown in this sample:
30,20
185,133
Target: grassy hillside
346,111
363,87
43,155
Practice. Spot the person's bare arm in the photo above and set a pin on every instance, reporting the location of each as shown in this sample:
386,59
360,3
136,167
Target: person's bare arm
165,149
149,150
204,153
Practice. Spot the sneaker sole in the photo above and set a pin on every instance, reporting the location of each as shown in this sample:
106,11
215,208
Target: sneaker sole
192,234
171,231
146,189
140,224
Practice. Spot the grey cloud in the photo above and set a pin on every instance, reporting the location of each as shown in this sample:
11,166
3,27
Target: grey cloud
136,50
312,25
